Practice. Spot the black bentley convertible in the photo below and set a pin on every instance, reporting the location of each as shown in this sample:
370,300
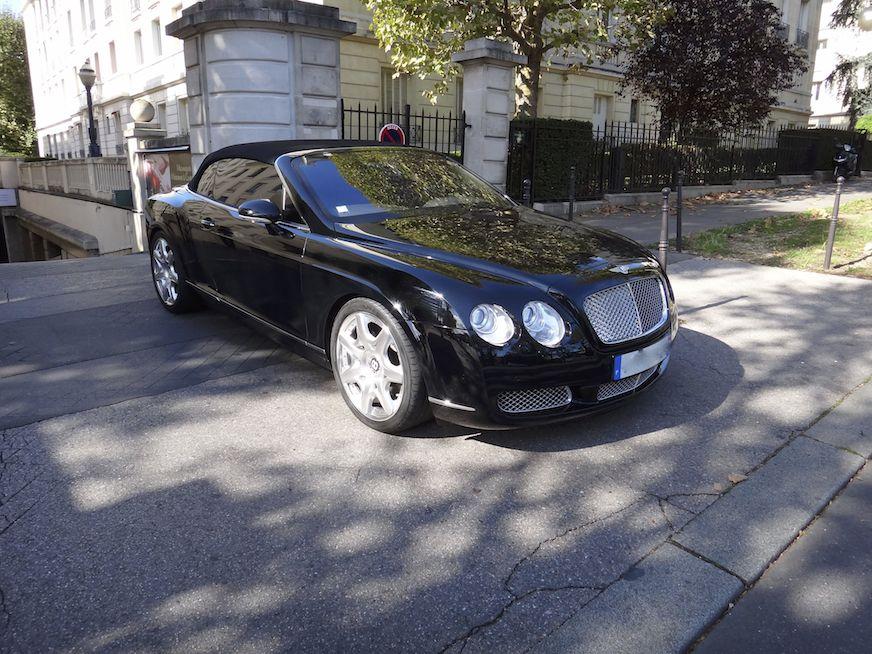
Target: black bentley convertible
425,290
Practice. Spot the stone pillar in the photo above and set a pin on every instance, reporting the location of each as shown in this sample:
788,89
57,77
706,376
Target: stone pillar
134,134
259,70
489,103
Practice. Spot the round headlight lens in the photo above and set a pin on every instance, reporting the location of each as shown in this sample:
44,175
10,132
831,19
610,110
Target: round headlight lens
544,324
492,323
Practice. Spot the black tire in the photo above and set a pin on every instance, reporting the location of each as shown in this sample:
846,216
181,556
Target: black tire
186,298
414,406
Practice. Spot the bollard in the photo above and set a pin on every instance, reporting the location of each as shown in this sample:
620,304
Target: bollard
679,201
525,192
834,219
663,246
571,192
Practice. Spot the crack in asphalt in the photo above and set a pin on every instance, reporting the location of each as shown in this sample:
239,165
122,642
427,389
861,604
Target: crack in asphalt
514,597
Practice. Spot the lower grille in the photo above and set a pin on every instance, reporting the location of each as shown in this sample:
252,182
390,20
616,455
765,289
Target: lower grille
536,399
625,385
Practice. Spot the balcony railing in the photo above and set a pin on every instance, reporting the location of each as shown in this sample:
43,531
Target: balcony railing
802,38
99,178
783,31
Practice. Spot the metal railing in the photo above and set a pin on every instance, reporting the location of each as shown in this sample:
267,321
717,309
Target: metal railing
802,38
105,179
551,160
441,132
783,31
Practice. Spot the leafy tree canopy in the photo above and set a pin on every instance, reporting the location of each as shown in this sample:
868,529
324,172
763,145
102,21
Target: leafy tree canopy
421,35
715,63
846,76
16,102
864,124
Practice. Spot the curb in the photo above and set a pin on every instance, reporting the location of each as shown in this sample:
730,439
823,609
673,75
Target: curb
672,596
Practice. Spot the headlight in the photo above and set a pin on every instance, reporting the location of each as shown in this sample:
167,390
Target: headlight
492,323
544,324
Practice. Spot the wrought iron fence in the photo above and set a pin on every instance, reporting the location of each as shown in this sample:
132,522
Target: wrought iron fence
632,158
443,132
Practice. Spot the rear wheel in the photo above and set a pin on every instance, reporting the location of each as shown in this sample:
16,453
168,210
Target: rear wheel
376,368
168,276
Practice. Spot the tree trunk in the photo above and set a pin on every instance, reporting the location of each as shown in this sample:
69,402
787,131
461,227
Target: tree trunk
527,87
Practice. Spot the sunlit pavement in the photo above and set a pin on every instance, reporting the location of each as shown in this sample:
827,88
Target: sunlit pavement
181,484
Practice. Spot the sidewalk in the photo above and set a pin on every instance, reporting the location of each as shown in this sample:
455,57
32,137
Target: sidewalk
644,225
817,596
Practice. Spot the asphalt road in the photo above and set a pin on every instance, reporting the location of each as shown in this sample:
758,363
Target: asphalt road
180,484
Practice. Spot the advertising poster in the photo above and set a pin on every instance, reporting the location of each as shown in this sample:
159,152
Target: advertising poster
164,170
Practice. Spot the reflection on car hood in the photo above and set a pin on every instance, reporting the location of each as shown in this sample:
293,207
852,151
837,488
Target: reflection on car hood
517,243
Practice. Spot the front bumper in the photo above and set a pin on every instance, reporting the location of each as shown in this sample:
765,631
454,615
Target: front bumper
474,400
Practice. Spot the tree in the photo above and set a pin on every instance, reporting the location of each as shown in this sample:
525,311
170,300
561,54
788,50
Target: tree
16,101
714,64
421,35
864,124
846,75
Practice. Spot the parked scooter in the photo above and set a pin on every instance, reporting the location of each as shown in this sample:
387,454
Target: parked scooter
845,161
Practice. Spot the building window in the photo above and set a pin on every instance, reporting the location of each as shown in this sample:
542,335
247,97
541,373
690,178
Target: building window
634,110
137,47
92,23
393,90
134,6
107,11
176,11
97,65
113,59
822,44
816,90
83,14
184,125
70,27
156,43
162,115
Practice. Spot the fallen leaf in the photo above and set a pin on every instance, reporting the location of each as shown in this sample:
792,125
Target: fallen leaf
736,478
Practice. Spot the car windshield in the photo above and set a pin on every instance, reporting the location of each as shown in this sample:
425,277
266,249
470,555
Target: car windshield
368,184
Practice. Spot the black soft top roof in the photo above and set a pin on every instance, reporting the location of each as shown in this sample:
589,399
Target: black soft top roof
269,151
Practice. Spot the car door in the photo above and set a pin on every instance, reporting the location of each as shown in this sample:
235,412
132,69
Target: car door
255,263
206,244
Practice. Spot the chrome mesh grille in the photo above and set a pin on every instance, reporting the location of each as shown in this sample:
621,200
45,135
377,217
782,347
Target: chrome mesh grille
627,311
535,399
625,385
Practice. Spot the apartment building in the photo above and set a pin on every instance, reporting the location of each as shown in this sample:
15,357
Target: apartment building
827,107
126,43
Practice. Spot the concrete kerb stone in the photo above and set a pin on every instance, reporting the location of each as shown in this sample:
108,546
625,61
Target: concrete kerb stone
670,597
748,527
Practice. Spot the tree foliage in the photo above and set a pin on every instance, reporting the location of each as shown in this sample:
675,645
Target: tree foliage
864,124
715,63
16,101
845,77
421,35
848,13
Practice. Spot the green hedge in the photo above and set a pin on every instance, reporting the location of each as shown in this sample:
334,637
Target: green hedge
559,144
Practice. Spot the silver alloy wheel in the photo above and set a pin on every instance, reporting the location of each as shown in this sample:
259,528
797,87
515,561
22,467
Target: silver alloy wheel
369,366
163,269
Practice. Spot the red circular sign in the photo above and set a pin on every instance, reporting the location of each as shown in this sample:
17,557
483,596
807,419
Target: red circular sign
392,133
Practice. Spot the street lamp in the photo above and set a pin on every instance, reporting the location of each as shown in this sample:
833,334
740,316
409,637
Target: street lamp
88,76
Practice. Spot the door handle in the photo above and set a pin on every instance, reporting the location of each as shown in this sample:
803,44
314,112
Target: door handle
207,223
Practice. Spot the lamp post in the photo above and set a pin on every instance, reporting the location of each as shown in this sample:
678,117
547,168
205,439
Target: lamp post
88,76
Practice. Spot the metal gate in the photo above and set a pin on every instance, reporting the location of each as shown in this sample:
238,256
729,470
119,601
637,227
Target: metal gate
441,132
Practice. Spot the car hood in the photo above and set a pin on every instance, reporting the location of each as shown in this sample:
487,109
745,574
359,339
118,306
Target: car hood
515,243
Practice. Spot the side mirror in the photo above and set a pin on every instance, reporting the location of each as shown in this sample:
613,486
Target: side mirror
260,209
